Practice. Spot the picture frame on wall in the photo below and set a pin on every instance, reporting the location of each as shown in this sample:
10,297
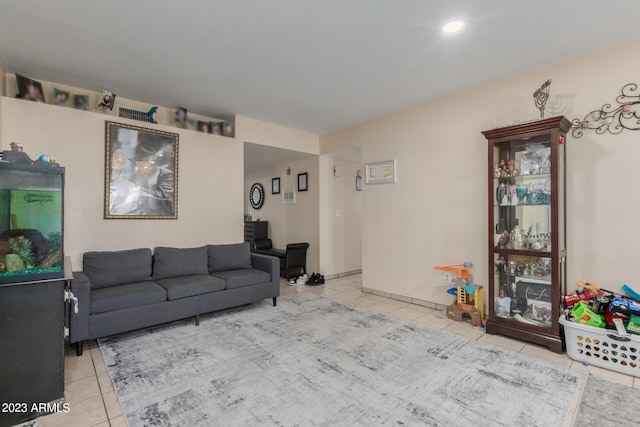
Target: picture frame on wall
288,196
29,89
303,184
275,185
141,173
380,172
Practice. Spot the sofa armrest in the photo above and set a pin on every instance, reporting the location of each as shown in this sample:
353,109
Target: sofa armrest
79,322
271,265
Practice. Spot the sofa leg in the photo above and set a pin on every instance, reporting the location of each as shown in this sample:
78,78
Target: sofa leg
79,348
274,301
197,320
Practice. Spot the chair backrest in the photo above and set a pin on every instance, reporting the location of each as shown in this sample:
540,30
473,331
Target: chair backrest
296,254
262,244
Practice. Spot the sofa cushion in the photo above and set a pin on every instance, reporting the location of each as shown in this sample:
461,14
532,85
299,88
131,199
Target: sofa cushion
188,286
229,257
112,268
176,262
243,277
126,296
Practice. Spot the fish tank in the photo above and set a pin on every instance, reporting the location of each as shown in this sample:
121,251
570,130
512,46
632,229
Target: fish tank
31,221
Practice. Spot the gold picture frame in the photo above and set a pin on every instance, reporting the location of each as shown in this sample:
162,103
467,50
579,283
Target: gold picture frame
141,173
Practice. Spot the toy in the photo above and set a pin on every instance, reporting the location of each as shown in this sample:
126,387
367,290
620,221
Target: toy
469,298
106,100
634,325
585,316
585,295
461,270
633,294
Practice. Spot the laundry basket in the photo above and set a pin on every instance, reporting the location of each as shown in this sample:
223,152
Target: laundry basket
602,347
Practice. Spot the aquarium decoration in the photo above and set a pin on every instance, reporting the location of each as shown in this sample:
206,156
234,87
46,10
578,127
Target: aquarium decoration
31,221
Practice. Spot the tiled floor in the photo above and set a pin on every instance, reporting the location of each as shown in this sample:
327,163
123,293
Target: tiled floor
93,402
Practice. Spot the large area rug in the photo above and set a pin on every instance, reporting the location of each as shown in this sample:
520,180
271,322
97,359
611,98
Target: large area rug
311,361
607,404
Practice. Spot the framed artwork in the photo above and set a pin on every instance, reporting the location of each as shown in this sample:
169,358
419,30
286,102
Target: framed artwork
288,196
29,89
141,173
302,181
203,126
81,102
380,172
275,185
181,117
61,98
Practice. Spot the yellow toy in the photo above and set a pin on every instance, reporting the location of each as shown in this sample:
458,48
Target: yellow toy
469,298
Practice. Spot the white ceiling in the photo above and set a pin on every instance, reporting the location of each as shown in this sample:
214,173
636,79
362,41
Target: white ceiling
314,65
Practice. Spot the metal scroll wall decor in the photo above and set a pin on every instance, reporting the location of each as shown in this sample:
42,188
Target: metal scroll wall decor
612,118
541,96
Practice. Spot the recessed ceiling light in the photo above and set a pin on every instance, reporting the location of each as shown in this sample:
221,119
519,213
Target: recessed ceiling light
453,26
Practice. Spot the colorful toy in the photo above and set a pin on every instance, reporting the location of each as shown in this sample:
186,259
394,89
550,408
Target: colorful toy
634,325
585,295
461,270
585,316
633,294
469,298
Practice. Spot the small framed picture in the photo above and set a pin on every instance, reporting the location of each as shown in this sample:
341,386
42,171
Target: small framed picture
181,117
61,98
275,185
288,196
203,126
81,102
29,89
302,181
380,172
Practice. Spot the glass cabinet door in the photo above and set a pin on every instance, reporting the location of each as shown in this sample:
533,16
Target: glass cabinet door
527,230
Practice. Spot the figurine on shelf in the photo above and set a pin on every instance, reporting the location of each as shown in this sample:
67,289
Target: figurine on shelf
503,168
501,191
511,168
106,100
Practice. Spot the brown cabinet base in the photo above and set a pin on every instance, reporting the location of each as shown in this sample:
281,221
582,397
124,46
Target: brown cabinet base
552,342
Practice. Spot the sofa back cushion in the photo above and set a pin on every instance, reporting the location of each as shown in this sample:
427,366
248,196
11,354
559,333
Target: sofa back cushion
112,268
229,257
176,262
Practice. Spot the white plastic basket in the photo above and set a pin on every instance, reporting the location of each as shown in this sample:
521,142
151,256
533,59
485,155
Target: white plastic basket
602,347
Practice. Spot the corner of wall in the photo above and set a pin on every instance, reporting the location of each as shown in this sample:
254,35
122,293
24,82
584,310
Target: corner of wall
3,78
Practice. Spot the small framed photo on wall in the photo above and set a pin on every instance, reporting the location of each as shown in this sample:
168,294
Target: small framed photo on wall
303,184
380,172
275,185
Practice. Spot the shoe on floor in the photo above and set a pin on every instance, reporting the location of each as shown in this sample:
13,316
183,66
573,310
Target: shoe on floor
316,279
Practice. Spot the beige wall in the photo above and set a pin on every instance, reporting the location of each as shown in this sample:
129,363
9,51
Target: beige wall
258,132
210,184
340,217
436,213
289,223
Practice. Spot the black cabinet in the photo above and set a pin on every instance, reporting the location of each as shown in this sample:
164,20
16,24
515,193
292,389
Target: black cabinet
33,275
256,230
32,355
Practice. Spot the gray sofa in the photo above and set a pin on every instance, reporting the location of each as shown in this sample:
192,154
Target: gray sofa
120,291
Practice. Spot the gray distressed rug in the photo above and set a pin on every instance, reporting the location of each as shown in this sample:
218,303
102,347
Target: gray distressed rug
311,361
607,404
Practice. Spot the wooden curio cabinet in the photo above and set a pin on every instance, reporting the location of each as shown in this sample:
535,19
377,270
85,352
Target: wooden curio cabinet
527,230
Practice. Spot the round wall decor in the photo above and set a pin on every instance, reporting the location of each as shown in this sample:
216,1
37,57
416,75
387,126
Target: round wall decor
256,196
